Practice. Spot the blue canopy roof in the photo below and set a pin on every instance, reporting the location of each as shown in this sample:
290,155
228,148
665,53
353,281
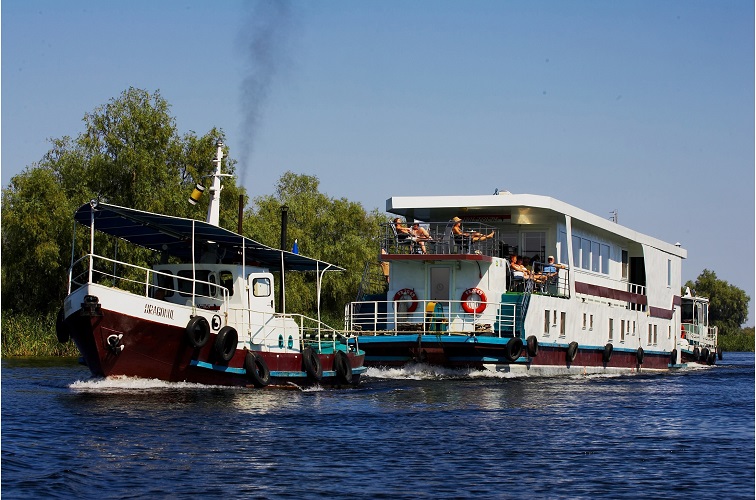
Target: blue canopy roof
173,235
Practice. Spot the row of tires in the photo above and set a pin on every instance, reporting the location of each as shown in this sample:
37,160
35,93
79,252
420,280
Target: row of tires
515,345
198,334
706,355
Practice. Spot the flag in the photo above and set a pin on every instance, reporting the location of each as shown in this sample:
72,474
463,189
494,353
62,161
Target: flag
295,248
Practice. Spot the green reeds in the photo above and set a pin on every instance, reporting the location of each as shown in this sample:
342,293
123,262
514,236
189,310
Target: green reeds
25,335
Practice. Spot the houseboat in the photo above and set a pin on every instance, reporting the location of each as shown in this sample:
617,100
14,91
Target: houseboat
204,313
525,283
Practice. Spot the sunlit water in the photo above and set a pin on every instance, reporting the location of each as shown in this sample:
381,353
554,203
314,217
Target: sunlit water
411,433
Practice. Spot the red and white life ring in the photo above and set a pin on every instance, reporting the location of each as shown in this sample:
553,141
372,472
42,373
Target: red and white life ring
467,306
407,292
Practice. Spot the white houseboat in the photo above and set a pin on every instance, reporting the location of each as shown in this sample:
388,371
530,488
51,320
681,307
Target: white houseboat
595,296
204,314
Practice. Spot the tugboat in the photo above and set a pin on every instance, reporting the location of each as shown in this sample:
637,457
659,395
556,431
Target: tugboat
526,284
205,314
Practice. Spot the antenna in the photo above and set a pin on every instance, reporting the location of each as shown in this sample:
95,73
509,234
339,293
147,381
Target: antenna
613,215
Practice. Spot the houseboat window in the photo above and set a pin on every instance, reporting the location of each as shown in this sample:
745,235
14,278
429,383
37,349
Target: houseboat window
261,287
605,259
625,264
656,339
165,284
650,329
563,324
622,330
611,329
585,321
669,272
595,254
591,324
546,322
585,247
185,284
227,281
535,244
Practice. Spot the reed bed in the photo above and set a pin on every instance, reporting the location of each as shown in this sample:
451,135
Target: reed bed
25,335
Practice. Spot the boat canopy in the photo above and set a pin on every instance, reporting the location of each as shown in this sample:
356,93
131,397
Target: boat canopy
173,235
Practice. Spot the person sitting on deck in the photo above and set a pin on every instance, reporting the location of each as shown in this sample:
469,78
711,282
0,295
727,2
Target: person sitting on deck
402,231
474,236
421,236
518,270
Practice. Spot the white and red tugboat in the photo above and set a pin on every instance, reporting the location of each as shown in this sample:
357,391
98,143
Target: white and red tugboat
205,315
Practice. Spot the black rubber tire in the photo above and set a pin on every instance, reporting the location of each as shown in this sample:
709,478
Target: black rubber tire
572,351
719,353
513,349
532,344
342,367
673,357
704,355
712,358
696,354
198,331
607,354
311,364
639,354
225,343
257,369
61,330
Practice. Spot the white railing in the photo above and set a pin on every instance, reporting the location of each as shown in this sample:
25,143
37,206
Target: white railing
700,335
497,319
138,280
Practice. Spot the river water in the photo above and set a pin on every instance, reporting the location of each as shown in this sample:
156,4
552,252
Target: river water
412,433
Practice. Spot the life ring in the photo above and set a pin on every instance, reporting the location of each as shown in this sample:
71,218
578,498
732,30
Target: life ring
572,350
513,349
198,331
342,367
532,346
481,303
673,357
311,362
257,369
61,330
225,343
608,350
639,355
408,292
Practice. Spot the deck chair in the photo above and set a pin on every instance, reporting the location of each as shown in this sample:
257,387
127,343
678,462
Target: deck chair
402,240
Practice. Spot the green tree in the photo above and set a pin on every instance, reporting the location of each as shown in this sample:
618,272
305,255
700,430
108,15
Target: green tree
728,304
333,230
130,154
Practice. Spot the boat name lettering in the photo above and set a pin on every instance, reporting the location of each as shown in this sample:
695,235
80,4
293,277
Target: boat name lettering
163,312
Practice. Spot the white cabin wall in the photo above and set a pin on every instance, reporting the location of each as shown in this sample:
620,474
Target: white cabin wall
659,291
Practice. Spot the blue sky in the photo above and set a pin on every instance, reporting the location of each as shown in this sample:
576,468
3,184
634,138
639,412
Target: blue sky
644,107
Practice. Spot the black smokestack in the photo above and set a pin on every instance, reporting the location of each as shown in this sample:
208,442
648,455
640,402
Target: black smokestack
262,42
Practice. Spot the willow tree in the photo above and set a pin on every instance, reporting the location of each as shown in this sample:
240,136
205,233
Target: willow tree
337,231
129,154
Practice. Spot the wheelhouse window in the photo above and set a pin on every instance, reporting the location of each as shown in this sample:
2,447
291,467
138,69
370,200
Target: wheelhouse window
185,284
261,287
165,284
227,281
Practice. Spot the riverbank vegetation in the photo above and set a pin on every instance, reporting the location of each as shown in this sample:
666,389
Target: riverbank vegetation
130,154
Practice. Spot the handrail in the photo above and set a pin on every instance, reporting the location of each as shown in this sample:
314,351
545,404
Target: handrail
497,318
130,284
442,241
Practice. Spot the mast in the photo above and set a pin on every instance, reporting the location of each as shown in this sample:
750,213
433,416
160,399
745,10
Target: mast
213,209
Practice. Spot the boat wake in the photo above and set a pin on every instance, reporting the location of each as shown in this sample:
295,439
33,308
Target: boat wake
122,383
420,371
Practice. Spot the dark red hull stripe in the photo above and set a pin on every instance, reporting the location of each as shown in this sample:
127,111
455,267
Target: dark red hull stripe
633,298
